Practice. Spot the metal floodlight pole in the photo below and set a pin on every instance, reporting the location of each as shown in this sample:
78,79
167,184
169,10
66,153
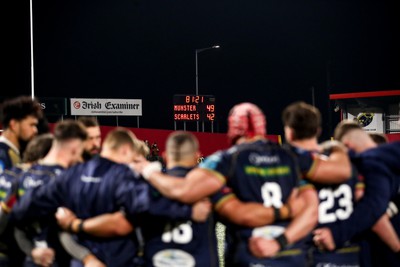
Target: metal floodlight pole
197,51
31,33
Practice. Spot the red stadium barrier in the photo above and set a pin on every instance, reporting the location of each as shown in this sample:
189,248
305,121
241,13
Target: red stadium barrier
393,137
209,142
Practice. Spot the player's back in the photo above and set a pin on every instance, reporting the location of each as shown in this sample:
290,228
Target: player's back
44,231
337,202
388,153
102,186
37,175
383,159
261,172
8,188
178,242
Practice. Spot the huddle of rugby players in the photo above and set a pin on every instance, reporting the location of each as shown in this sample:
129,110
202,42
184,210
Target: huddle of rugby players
69,203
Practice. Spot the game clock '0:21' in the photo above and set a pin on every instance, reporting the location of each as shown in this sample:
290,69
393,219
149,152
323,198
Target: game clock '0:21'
194,108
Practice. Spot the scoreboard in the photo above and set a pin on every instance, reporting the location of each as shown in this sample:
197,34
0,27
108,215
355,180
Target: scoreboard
194,107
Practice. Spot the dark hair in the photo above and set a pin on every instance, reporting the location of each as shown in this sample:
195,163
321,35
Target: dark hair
38,147
69,129
88,121
344,127
379,138
19,108
304,119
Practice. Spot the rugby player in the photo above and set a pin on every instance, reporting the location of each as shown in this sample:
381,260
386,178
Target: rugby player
39,239
20,120
93,142
256,170
302,125
381,171
104,184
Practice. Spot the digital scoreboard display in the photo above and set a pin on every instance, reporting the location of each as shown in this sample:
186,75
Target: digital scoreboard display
194,108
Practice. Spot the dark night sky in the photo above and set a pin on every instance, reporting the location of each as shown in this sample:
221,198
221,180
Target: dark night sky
272,52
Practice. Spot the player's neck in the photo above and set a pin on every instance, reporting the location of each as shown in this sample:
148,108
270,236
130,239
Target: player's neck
307,144
183,164
55,157
368,144
112,155
12,137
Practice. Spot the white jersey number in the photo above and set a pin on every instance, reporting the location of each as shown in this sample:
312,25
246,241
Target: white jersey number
327,197
181,234
271,193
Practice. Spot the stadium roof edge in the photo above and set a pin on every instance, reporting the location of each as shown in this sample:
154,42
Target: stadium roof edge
364,94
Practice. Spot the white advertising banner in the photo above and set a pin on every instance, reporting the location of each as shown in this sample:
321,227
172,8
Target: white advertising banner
369,118
106,107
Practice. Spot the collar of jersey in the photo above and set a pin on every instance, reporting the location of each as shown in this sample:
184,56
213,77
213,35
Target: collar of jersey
3,139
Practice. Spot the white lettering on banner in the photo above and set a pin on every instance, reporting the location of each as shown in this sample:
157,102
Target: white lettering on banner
106,107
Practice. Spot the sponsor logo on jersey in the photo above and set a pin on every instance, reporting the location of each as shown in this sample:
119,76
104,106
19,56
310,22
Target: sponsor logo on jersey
267,171
257,159
29,182
173,257
90,179
4,183
268,232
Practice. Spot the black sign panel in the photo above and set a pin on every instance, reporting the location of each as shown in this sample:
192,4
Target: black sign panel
194,107
53,106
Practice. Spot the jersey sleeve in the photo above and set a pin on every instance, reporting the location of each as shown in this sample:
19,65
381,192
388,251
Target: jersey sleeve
221,196
5,162
371,206
168,208
40,201
132,194
306,160
219,164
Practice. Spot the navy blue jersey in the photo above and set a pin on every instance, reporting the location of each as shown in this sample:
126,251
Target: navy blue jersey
379,254
260,172
43,230
9,156
89,189
9,182
178,242
8,188
305,160
382,183
337,203
37,175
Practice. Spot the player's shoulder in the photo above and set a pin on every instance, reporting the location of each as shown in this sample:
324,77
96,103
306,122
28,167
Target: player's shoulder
4,145
41,170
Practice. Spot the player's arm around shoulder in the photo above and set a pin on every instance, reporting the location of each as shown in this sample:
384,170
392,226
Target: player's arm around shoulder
335,168
301,225
105,225
198,184
307,218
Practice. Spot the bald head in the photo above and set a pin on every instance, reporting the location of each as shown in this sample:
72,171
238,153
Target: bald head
182,148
